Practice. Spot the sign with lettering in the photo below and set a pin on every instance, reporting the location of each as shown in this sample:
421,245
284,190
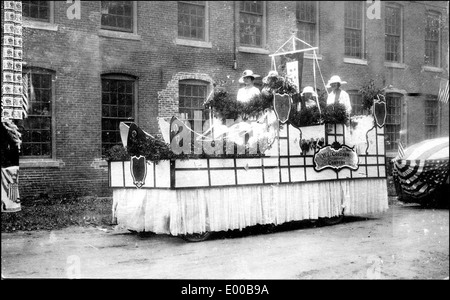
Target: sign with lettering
335,158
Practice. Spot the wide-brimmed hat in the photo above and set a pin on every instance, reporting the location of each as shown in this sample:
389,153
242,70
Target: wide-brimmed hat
271,74
309,89
335,79
247,73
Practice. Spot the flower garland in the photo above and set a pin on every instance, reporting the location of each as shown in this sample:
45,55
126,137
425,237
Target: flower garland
369,92
305,117
224,107
151,148
335,114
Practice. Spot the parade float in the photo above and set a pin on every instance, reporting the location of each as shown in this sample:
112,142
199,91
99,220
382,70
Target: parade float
272,166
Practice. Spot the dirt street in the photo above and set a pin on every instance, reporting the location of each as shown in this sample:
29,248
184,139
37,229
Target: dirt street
408,242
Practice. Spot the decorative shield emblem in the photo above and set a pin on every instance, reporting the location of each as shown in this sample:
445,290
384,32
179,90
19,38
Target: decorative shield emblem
138,166
282,106
379,112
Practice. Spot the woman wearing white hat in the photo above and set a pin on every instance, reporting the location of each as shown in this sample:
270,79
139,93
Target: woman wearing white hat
337,95
249,91
309,98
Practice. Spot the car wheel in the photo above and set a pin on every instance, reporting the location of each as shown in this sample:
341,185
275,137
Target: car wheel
196,237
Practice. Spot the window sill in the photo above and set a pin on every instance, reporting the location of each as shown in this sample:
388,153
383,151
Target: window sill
40,25
40,163
253,50
311,56
119,35
356,61
192,43
394,65
395,90
432,69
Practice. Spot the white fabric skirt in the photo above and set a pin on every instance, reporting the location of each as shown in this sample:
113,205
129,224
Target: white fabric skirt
182,211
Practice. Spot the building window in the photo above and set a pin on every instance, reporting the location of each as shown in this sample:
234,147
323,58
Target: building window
354,29
431,118
118,100
432,39
36,10
192,19
393,121
251,23
393,33
306,14
192,95
357,105
117,15
37,127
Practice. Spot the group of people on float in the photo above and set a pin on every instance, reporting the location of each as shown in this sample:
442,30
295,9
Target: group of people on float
337,94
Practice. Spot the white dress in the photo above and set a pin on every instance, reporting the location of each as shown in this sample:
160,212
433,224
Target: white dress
344,98
245,94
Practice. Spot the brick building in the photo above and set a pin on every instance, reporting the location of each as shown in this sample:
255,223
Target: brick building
96,63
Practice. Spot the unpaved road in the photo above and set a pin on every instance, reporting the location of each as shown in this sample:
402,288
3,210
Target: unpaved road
406,242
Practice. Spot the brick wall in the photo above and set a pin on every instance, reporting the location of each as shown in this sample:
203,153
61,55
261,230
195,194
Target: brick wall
79,54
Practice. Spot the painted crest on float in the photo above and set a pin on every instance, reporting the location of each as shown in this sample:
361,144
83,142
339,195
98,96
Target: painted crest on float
379,112
282,106
138,166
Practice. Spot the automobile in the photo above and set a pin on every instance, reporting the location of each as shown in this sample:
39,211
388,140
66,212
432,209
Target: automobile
421,173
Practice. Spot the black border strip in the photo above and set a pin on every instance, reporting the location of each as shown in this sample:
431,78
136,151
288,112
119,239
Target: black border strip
376,140
260,167
172,174
253,184
235,172
209,172
263,173
109,174
288,154
123,172
154,174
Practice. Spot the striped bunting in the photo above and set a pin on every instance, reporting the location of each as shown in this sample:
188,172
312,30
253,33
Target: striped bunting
25,98
423,168
401,150
443,91
10,183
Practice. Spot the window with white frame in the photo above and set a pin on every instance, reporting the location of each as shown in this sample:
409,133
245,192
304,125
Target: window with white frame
393,33
37,132
118,105
431,117
393,120
117,15
192,20
354,29
307,29
251,23
432,39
